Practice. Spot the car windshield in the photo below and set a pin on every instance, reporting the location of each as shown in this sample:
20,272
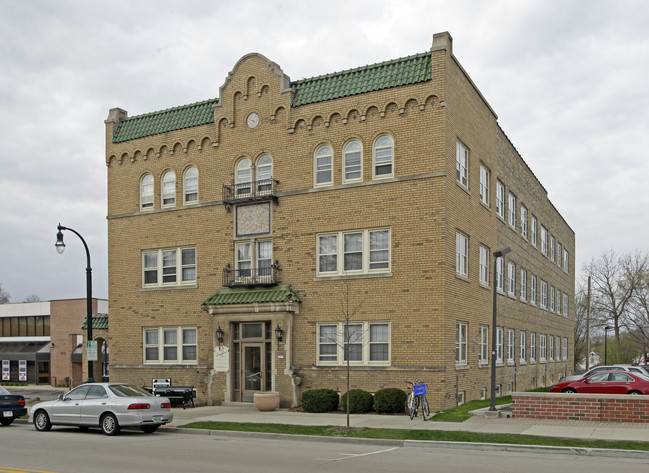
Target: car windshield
128,390
3,390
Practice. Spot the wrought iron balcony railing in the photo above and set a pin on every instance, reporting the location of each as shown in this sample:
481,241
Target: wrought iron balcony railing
250,277
250,191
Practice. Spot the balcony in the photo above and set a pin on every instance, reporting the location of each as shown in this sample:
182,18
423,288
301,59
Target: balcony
250,277
250,191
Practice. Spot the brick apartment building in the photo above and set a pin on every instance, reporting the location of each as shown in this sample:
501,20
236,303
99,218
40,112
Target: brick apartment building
244,231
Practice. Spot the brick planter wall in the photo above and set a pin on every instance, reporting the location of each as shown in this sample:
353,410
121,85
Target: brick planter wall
590,407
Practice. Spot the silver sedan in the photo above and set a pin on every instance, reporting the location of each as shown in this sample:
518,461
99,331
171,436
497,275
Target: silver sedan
109,406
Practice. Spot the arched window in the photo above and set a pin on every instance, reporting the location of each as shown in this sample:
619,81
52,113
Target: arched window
146,192
243,177
264,169
353,161
383,156
323,166
169,189
190,186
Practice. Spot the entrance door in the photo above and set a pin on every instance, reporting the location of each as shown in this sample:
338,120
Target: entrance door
252,373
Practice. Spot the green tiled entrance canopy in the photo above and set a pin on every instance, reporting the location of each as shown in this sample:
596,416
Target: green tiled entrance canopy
384,75
253,295
99,321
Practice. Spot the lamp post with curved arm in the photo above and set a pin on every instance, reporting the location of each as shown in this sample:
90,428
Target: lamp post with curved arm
60,247
497,254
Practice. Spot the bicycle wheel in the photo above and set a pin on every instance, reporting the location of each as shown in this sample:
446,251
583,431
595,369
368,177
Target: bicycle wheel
408,404
414,407
425,411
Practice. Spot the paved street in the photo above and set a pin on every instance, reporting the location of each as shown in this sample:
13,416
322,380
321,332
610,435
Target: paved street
25,449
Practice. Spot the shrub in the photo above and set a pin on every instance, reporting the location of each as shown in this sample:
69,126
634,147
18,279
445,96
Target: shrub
389,400
320,400
360,401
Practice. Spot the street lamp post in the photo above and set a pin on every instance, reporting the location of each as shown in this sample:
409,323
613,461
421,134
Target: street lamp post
497,254
60,247
606,329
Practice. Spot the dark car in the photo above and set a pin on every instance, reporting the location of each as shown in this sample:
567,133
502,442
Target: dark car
12,406
605,382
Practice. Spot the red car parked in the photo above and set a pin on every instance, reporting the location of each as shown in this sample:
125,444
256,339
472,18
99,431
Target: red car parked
605,382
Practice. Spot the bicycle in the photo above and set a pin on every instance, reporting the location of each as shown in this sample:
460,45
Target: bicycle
417,398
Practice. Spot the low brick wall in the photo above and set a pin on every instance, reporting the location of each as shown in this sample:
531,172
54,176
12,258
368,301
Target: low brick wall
591,407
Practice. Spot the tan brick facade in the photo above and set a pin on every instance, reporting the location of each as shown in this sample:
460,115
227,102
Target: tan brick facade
419,297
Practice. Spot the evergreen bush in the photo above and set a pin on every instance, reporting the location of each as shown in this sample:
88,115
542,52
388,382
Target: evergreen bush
320,400
389,401
360,401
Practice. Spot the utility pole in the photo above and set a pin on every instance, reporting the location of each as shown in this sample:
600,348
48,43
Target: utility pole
588,327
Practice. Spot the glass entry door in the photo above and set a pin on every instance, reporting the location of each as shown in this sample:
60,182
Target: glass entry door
252,372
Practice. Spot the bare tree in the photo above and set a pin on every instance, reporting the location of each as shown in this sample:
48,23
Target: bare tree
638,321
615,280
581,326
32,298
4,296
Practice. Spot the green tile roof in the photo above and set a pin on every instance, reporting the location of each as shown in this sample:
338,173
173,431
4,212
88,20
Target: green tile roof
252,295
384,75
177,118
99,321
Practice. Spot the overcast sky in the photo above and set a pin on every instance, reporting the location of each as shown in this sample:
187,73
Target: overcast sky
568,80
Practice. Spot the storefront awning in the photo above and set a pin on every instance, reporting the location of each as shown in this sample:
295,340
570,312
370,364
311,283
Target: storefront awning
33,351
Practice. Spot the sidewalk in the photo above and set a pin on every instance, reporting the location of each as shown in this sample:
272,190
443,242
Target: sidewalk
481,424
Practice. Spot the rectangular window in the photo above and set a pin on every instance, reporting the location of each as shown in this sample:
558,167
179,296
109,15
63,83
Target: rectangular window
522,349
559,255
542,347
565,305
511,278
499,345
512,210
544,240
552,243
551,348
564,349
461,254
565,261
557,347
524,221
552,298
510,346
500,199
462,165
544,295
500,274
523,293
161,268
170,345
323,164
484,265
533,290
532,347
364,251
460,343
365,342
534,226
483,355
558,302
484,185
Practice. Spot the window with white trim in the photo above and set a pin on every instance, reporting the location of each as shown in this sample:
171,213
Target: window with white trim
522,348
542,347
534,225
544,240
483,355
499,344
564,349
500,199
367,343
558,302
190,186
353,161
533,289
500,274
462,165
511,210
551,348
169,267
169,189
544,295
383,157
532,347
484,265
559,254
552,298
460,343
461,254
524,221
354,252
523,293
557,346
510,345
146,192
323,166
254,260
565,304
565,261
511,278
552,243
170,345
484,185
243,178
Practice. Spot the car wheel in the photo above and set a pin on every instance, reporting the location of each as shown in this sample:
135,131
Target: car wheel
149,429
6,421
109,424
42,421
569,391
635,393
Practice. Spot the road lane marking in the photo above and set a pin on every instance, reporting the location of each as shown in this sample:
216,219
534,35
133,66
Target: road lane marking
347,456
9,469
